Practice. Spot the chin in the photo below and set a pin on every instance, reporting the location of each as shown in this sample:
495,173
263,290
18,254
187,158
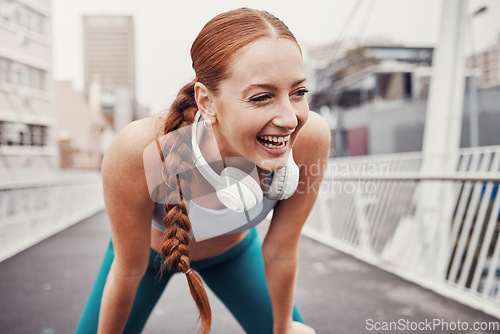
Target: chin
272,164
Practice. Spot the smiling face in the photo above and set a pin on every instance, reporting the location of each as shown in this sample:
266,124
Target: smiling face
261,106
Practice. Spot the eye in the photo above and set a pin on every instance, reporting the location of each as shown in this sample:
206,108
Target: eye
301,92
260,98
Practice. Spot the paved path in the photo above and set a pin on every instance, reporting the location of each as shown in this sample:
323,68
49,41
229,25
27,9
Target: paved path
43,290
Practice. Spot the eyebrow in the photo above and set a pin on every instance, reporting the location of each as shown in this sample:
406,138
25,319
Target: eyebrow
269,86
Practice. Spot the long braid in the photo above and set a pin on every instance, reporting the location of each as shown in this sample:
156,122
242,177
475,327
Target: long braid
176,239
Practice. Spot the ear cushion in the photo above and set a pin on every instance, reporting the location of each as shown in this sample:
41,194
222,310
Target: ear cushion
284,181
241,187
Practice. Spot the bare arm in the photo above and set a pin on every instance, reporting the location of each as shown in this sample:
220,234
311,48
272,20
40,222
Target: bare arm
130,211
280,248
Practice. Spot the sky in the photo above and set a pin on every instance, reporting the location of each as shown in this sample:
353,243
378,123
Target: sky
165,30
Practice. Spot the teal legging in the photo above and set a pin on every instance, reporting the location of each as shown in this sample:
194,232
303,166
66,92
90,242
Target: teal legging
236,276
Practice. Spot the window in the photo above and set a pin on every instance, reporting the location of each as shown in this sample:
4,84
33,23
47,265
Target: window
10,133
24,134
7,70
36,135
21,15
13,134
22,75
31,77
15,73
32,134
6,7
18,14
2,68
41,80
43,135
34,21
31,20
2,142
39,19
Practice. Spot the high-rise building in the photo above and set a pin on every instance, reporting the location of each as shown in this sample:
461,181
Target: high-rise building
109,63
37,198
27,117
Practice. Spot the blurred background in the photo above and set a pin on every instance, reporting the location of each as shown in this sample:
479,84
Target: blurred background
410,90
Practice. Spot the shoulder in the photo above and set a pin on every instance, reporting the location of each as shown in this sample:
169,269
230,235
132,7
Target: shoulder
136,135
313,141
132,140
316,129
124,158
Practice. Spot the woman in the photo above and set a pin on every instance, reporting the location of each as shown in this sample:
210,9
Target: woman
250,91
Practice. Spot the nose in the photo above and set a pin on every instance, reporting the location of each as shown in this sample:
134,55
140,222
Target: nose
285,116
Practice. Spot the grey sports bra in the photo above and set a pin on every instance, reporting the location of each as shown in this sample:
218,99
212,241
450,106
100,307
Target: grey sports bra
208,223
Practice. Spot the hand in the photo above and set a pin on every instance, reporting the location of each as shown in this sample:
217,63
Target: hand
300,328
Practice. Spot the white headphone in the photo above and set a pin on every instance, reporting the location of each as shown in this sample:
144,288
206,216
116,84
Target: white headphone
236,189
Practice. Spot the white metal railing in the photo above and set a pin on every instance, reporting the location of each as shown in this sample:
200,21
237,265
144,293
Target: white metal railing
372,207
34,207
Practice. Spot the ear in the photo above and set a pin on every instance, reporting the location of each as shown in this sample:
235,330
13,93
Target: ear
204,101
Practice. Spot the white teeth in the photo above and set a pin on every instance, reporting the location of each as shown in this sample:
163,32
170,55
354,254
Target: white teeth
278,142
276,139
274,146
271,138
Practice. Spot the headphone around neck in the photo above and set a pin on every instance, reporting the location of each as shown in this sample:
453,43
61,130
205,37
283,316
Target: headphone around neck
236,189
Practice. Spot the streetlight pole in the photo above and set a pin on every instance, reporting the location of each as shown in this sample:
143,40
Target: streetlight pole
443,122
473,103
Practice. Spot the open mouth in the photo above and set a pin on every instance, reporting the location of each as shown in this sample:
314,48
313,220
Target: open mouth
274,141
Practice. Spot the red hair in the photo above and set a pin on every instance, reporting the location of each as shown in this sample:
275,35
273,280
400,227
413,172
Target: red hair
211,54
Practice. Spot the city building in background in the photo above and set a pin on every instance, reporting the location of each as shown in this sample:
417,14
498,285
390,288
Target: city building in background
37,198
374,96
27,118
109,67
346,79
84,133
488,63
